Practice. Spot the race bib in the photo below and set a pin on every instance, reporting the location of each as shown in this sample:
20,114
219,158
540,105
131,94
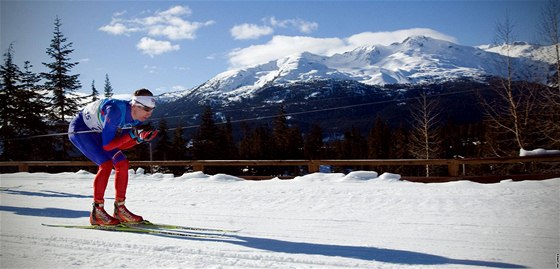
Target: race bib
92,115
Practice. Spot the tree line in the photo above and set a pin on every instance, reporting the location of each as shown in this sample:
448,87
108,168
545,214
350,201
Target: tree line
33,104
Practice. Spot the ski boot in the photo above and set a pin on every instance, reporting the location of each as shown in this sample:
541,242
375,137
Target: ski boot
100,217
123,215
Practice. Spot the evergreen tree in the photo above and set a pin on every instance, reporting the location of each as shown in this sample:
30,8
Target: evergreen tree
398,145
206,141
31,105
354,145
11,75
281,135
313,147
398,148
227,145
163,147
379,140
256,144
94,92
108,89
178,145
295,145
64,102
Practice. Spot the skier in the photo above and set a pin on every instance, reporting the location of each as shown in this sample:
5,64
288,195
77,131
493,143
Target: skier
114,123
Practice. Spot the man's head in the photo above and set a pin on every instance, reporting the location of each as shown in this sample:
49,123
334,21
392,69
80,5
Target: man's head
142,104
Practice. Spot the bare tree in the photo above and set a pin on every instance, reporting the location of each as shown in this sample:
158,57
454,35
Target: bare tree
550,32
425,141
550,110
510,112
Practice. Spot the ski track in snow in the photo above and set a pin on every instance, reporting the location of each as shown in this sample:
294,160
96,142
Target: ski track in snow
316,221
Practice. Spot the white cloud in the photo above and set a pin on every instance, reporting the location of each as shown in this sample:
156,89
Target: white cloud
181,68
387,38
113,28
176,11
154,47
169,24
281,46
250,31
179,88
151,68
253,31
303,26
176,29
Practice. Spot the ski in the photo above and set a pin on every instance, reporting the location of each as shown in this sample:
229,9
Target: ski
151,225
131,229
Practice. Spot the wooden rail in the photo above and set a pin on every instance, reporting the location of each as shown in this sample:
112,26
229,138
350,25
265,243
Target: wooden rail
453,165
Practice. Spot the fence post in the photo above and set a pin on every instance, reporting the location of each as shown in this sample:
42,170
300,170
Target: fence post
312,167
453,168
198,166
23,167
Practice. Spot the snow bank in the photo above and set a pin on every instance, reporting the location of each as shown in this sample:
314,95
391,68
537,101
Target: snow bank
352,177
360,176
538,152
390,177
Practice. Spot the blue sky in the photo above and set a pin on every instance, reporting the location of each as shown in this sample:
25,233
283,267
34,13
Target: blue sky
173,45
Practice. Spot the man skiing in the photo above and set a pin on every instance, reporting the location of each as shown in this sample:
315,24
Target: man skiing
113,123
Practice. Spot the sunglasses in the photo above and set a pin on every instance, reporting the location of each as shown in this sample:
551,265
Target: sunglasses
145,107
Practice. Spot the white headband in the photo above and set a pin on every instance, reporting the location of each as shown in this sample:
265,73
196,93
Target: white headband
148,101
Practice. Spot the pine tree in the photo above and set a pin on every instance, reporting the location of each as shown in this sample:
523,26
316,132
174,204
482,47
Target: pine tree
163,146
256,144
108,89
379,140
94,92
227,145
295,145
313,147
64,102
280,134
398,148
354,145
11,75
206,141
31,105
178,145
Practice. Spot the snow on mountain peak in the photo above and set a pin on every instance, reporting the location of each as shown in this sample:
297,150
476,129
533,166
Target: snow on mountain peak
417,59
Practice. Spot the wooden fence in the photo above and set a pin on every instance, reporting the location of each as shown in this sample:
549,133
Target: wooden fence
456,168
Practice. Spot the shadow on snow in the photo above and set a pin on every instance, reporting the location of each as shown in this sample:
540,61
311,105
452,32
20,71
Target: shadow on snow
45,212
50,194
362,253
353,252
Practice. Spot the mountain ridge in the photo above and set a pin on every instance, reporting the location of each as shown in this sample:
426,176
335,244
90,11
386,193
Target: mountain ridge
415,60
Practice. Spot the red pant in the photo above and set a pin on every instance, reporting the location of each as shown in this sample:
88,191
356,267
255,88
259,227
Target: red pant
102,179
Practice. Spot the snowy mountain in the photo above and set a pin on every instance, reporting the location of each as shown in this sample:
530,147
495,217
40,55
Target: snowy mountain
368,81
416,60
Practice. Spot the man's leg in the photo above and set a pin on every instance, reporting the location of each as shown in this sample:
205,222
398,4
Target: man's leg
121,179
121,183
98,214
100,181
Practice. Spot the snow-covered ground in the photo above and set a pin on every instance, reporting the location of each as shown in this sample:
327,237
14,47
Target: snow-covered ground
315,221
